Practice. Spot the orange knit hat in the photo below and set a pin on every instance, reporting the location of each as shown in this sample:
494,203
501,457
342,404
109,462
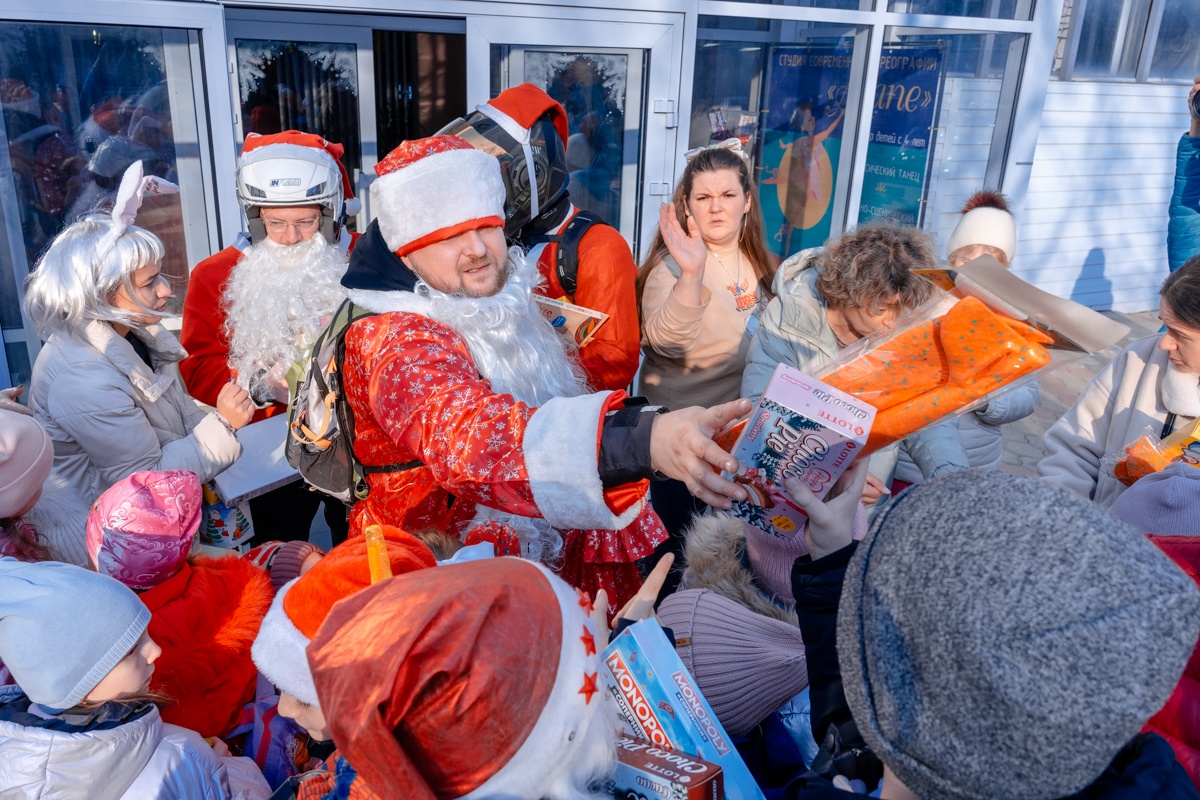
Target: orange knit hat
302,605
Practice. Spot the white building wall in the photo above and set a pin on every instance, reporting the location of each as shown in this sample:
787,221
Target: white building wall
1093,225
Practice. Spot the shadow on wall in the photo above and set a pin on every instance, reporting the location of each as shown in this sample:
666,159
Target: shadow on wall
1093,288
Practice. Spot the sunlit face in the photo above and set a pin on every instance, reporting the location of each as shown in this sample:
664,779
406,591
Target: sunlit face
1181,341
151,291
131,675
308,717
292,225
473,263
973,251
717,203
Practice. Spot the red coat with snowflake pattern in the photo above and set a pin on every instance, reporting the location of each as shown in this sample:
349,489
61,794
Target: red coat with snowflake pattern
416,394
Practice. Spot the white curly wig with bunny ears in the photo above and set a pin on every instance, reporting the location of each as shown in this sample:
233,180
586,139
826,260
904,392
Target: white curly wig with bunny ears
84,267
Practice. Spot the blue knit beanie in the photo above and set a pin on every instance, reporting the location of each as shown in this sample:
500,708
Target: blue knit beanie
63,628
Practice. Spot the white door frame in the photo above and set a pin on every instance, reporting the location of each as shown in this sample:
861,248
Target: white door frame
659,33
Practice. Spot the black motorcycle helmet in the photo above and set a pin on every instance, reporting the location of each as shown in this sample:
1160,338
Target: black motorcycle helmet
491,129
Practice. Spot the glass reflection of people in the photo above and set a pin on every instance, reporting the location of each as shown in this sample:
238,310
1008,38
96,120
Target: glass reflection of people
804,178
594,147
44,164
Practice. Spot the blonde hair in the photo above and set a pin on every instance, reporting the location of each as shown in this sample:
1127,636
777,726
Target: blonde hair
83,269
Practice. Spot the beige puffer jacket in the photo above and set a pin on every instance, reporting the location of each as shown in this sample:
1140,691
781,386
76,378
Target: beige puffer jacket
110,415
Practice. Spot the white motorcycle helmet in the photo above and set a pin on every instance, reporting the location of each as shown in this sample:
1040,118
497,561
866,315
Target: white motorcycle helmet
282,175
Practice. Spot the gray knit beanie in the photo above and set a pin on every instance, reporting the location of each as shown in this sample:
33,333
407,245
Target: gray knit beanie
746,665
1165,503
1001,638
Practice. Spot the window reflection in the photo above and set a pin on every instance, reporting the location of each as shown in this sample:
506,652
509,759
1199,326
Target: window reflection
80,104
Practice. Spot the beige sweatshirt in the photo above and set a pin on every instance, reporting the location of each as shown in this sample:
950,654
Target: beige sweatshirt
694,355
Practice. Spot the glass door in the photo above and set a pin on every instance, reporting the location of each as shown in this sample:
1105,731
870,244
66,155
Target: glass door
602,93
615,81
305,77
367,85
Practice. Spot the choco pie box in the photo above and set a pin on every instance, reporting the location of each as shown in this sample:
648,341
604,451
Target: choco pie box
800,428
646,771
660,703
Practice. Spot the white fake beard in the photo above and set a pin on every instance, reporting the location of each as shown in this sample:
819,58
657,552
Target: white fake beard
512,344
278,299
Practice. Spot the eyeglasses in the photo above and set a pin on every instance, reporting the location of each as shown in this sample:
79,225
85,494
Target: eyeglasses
302,226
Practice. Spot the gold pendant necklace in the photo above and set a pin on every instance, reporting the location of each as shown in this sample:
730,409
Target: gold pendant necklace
744,298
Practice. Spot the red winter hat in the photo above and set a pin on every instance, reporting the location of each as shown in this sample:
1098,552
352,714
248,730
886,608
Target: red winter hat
432,189
525,105
301,139
302,605
473,680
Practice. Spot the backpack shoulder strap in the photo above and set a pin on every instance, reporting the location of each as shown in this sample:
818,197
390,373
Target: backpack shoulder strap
566,264
347,314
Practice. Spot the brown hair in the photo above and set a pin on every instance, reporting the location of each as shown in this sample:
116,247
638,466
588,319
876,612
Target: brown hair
1181,292
872,268
23,541
752,241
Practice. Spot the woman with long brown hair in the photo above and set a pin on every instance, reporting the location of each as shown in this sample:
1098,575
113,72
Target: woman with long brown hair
700,291
706,277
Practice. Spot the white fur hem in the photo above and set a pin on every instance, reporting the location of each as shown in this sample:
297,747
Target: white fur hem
561,456
278,652
384,302
562,726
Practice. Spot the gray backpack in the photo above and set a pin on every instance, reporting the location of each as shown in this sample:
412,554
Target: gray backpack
320,443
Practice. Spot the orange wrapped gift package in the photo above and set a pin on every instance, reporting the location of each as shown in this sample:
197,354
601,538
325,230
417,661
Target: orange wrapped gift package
929,370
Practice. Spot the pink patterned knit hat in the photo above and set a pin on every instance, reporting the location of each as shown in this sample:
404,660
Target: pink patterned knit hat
141,529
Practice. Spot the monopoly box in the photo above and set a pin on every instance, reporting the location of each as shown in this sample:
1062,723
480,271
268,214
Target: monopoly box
659,702
648,771
799,428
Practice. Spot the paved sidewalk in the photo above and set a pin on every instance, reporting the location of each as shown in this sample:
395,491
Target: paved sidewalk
1023,440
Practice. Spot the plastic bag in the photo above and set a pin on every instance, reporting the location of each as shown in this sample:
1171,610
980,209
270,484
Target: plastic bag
1149,454
946,358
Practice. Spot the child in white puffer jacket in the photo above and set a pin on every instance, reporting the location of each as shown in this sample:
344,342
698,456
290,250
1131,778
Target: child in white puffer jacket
80,723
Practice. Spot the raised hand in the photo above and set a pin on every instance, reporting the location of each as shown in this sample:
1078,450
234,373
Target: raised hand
686,247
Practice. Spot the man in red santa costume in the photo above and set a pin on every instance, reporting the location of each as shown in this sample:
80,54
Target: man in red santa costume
527,131
460,380
253,308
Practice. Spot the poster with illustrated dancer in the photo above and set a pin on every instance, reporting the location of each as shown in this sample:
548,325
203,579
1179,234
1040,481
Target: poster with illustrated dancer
804,106
903,125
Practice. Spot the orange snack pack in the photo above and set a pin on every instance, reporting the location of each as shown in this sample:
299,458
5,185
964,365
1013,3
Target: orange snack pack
1147,454
931,369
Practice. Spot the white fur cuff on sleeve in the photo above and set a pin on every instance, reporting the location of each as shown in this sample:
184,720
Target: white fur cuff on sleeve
561,456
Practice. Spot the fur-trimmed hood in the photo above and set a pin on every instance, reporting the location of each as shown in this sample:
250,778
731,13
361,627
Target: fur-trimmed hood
205,618
715,558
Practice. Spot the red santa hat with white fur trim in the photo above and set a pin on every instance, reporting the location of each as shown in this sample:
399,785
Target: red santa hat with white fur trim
473,680
302,604
986,220
429,190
